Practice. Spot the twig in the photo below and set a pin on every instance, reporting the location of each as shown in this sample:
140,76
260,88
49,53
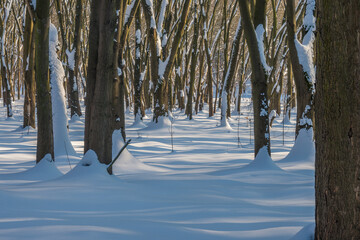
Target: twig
109,168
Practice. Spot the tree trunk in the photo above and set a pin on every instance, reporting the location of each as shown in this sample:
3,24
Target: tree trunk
29,73
209,77
45,140
259,83
199,87
138,76
178,81
337,129
119,88
91,70
194,55
155,57
98,125
289,90
230,76
74,66
5,76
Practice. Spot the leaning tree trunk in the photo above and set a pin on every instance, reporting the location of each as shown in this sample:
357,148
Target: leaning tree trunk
303,82
230,76
45,140
337,129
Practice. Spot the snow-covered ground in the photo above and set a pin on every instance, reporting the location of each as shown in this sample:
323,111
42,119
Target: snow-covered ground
209,187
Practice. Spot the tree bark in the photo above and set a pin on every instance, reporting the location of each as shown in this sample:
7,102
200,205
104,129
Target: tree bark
98,127
337,104
29,72
45,139
92,68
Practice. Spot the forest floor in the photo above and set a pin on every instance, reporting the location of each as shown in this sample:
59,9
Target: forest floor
208,187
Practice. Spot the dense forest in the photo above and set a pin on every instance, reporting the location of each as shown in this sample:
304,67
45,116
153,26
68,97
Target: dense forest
103,60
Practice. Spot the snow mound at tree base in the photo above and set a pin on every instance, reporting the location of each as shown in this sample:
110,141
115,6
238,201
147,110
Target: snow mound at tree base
163,123
89,171
75,119
307,233
224,124
302,154
138,123
127,163
44,170
262,162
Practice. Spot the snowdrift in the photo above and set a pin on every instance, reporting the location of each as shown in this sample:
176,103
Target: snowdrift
44,170
127,163
302,154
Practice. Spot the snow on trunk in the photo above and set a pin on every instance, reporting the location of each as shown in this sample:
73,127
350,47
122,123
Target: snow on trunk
62,144
224,104
164,3
128,11
260,40
305,50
